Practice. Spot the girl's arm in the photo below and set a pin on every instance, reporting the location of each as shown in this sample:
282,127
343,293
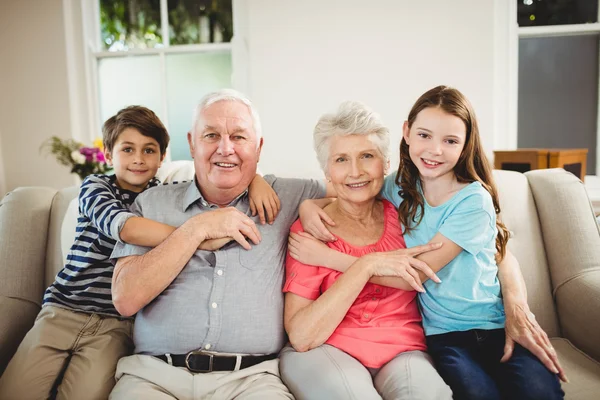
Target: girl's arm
306,249
263,200
521,325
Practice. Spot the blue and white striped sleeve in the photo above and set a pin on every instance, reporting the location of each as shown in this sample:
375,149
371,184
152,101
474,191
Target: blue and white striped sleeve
98,203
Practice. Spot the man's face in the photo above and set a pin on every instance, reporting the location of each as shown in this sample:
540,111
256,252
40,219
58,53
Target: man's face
225,149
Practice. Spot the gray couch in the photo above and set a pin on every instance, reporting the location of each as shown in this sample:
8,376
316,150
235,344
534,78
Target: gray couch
554,236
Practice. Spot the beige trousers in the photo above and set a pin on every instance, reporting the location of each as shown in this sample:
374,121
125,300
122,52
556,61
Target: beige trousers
85,347
148,378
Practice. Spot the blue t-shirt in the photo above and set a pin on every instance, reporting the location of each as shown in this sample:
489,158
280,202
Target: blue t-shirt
469,296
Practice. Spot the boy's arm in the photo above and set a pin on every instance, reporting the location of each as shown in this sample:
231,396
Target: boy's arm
263,199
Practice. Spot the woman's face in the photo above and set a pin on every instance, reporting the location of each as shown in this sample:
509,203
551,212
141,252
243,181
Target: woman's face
355,167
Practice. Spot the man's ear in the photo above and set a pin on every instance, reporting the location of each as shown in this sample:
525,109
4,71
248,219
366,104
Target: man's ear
191,143
108,157
406,132
258,151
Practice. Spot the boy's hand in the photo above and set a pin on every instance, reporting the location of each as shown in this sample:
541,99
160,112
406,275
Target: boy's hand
312,217
308,250
214,244
263,199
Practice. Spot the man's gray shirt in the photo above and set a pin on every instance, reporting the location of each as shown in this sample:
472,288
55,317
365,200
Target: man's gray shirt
228,300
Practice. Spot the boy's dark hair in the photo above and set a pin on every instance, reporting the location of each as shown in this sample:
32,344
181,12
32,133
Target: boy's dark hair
140,118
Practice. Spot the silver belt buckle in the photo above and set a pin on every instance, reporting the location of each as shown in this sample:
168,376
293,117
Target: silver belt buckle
198,352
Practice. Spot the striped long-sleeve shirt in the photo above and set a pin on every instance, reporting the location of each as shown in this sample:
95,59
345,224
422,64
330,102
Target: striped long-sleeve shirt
84,282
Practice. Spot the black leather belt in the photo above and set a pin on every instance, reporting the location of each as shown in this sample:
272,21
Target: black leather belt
200,361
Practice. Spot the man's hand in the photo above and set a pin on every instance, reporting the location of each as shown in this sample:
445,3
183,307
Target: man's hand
314,218
228,223
522,328
403,264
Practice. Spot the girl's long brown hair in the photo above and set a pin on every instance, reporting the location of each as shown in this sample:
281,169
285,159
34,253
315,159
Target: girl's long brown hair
472,164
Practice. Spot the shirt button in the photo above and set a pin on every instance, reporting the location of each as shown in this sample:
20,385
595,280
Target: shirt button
214,305
377,290
220,272
374,298
367,315
207,346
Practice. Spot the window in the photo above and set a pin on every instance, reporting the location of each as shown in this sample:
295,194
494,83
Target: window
558,96
162,54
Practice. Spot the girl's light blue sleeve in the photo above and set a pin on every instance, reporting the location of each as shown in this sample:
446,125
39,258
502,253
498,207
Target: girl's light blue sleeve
390,189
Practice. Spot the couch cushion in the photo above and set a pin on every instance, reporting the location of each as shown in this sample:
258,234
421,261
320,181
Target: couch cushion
21,314
526,243
583,372
55,258
573,256
24,219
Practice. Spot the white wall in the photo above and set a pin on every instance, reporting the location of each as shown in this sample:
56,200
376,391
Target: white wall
300,59
34,102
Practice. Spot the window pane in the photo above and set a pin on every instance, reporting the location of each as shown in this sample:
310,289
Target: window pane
126,81
556,12
130,24
189,78
558,94
200,21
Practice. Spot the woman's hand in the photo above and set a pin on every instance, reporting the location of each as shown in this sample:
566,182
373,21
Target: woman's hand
521,327
312,217
263,199
403,264
308,250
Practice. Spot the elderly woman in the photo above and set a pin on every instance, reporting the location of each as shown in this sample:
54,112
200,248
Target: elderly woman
353,337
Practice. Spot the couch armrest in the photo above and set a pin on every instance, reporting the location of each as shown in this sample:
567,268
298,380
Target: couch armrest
572,243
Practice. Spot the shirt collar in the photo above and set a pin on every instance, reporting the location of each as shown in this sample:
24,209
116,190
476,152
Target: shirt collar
193,195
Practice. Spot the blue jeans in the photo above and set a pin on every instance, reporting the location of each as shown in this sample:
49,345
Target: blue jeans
470,364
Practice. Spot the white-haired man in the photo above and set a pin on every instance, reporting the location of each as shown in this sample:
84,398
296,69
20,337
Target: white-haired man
209,324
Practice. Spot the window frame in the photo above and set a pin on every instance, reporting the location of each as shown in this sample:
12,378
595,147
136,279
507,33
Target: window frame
93,53
554,31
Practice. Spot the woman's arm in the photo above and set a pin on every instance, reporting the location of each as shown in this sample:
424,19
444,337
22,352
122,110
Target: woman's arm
309,323
263,200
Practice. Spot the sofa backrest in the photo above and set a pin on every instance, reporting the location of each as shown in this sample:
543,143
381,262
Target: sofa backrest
519,214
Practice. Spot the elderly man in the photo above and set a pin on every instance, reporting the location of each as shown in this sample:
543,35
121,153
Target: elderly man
209,324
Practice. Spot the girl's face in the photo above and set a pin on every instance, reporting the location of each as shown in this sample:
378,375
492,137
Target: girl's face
435,142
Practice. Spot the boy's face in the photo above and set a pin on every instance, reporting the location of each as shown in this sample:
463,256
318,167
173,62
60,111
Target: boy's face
135,159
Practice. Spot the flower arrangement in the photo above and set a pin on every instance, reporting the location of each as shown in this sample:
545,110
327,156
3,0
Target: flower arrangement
82,160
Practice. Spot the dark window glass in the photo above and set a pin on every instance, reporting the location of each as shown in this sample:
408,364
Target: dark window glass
200,21
556,12
130,24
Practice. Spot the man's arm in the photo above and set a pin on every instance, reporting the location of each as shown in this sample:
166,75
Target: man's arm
139,279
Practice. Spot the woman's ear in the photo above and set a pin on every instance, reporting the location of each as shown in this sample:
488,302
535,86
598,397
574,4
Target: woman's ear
406,132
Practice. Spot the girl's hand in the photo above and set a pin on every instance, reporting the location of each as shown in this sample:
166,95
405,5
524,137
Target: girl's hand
403,264
263,199
214,244
312,217
308,250
522,327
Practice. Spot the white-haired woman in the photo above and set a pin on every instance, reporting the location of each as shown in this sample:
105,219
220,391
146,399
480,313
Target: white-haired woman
356,335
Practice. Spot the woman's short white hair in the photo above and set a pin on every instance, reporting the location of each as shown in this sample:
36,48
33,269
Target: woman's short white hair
351,118
227,95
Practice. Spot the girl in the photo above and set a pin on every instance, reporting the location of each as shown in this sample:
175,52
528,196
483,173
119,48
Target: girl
445,193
